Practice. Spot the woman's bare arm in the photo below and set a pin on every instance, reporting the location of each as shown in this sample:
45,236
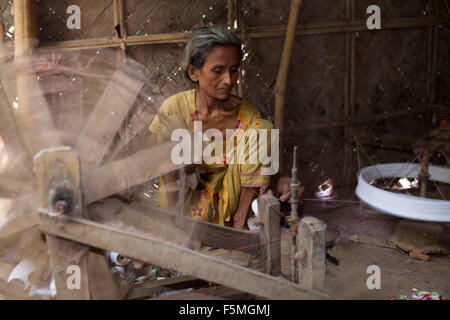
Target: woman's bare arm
245,201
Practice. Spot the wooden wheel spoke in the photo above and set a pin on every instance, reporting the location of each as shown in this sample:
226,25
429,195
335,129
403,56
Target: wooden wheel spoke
32,115
119,175
106,118
20,216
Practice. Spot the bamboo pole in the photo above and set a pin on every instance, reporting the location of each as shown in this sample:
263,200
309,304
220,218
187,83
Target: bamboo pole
433,41
347,91
3,56
280,86
230,14
241,24
435,56
351,110
123,31
251,33
302,129
33,116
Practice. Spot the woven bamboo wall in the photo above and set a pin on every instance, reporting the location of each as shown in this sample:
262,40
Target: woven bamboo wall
392,69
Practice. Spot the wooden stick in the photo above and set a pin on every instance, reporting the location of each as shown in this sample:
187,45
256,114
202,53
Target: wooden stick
230,14
280,86
174,257
251,33
303,129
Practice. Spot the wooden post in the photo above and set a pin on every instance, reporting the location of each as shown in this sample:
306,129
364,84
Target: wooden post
280,86
25,34
58,178
311,253
33,116
270,234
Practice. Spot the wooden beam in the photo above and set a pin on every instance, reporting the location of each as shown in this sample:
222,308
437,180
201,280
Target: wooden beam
169,226
270,234
311,253
251,33
174,257
106,118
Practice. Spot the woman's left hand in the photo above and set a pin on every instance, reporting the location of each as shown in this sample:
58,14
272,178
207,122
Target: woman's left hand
284,187
240,222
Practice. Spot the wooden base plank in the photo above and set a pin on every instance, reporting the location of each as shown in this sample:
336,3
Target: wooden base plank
175,257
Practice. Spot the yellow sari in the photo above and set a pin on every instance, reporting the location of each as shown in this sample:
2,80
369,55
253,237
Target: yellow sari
216,198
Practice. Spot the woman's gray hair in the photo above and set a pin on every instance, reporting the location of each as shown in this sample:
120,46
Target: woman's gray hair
202,41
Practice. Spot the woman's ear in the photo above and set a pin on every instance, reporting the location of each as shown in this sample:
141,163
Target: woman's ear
193,72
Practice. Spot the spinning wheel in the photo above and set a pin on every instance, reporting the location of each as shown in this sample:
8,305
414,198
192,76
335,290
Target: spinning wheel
67,123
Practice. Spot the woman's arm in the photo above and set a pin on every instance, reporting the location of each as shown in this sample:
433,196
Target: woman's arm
245,201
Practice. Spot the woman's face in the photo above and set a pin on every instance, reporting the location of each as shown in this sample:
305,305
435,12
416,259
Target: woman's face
219,72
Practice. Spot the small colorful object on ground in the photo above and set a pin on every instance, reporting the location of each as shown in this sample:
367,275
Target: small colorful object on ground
420,295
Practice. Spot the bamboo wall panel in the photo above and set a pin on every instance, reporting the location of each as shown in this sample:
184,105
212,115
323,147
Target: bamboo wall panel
96,20
393,8
391,67
391,74
155,16
276,12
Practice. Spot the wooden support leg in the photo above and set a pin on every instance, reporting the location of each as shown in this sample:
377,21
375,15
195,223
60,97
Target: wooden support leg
72,264
68,262
270,234
311,253
101,283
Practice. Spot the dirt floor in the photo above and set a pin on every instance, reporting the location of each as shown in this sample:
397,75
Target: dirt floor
399,272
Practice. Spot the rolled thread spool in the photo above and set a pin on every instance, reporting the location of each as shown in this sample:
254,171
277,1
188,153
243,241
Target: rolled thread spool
118,271
118,259
21,272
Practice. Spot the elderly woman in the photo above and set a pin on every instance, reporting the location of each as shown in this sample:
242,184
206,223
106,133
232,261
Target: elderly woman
225,190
